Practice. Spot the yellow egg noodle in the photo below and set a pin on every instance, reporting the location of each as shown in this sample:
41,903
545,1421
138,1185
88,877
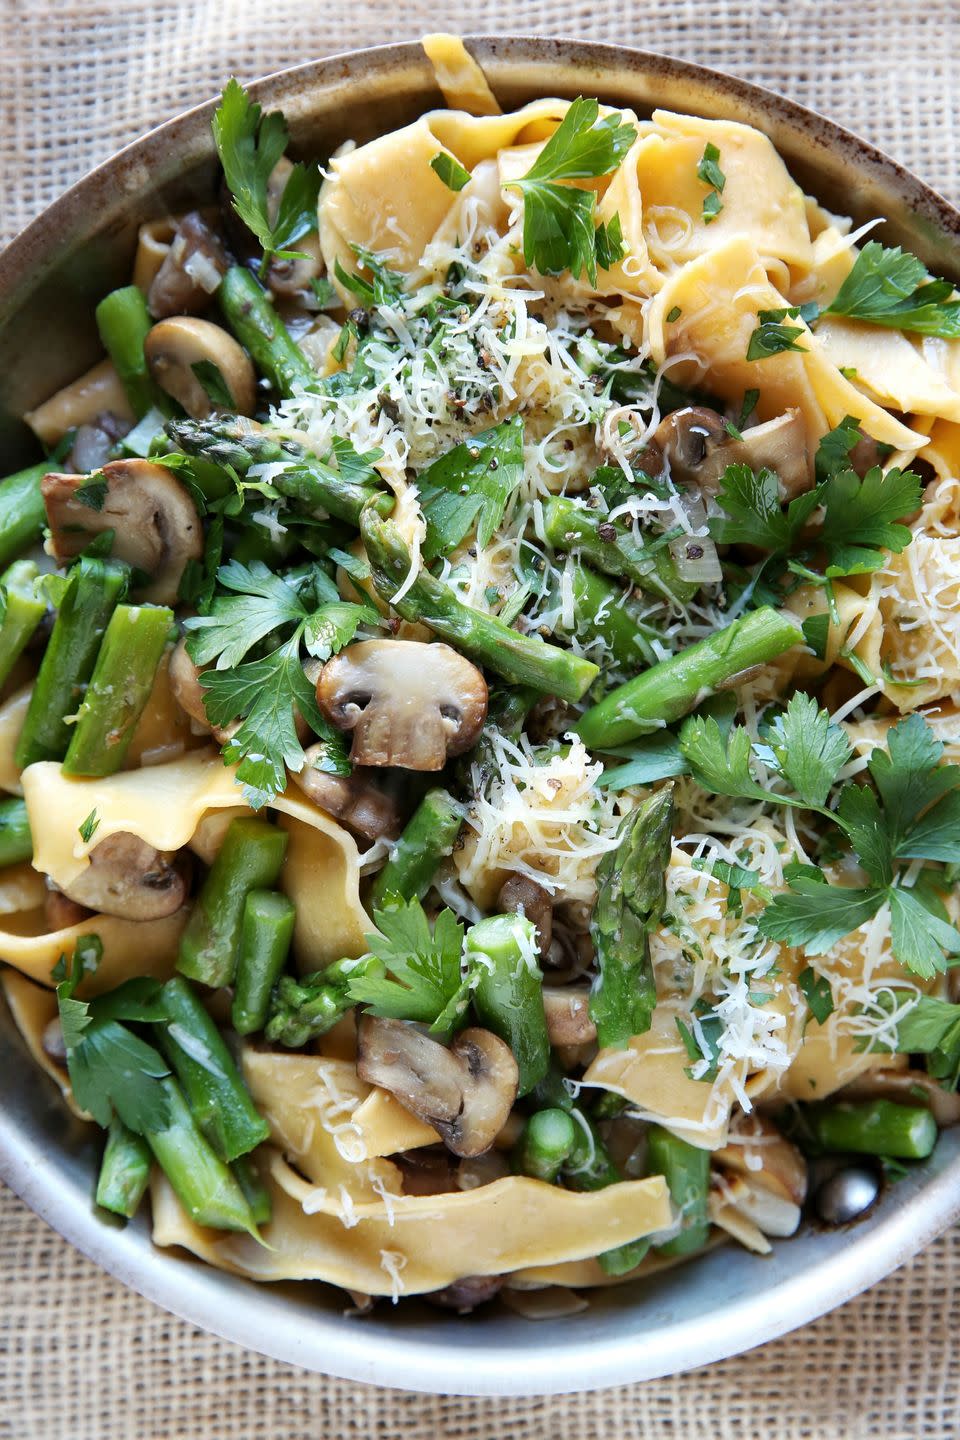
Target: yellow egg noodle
564,949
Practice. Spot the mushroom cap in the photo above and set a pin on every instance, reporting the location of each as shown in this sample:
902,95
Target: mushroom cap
408,703
191,270
174,346
519,895
567,1008
465,1092
698,446
155,522
129,878
362,807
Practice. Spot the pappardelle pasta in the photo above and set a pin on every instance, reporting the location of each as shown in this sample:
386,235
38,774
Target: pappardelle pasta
479,721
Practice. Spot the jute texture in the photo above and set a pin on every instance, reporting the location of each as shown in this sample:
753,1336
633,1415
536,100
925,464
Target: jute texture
81,1358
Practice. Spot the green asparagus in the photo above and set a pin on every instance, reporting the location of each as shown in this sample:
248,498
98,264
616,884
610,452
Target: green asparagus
22,511
265,936
15,841
250,858
428,837
874,1127
547,1142
590,1167
124,1171
124,323
218,1098
249,314
119,688
205,1187
630,899
523,659
255,1193
301,1010
687,1173
92,592
674,686
508,998
601,610
22,612
611,547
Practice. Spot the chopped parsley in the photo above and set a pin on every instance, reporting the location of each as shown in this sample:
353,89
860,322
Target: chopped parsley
89,826
450,171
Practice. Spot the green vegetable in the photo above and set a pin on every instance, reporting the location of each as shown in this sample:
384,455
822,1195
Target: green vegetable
219,1100
894,288
631,894
450,171
558,228
247,310
250,144
124,1171
301,1010
250,858
508,997
548,1140
22,511
687,1173
611,547
873,1127
93,589
523,659
256,1194
428,838
772,336
590,1166
124,323
21,610
118,690
265,936
817,993
602,611
424,981
16,843
671,688
205,1187
710,173
471,486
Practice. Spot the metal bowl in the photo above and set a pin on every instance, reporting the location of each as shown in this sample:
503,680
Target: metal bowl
50,279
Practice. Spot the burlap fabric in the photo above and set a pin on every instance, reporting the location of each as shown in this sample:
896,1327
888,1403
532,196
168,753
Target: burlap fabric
81,1358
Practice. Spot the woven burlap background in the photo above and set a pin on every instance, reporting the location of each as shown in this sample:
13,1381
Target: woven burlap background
80,1357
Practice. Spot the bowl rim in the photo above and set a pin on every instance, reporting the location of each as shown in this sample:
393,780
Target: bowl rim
195,1291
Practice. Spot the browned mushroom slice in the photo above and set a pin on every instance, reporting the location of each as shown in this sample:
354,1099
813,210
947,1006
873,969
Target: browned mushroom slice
191,271
129,878
567,1009
354,800
174,349
765,1158
465,1092
407,703
156,526
466,1294
698,447
59,911
519,895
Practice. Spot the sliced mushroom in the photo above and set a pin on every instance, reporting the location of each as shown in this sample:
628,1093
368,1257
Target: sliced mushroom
173,349
696,443
191,271
760,1154
465,1092
184,678
59,911
156,526
129,878
519,895
426,1172
362,807
906,1087
567,1009
407,703
482,1169
466,1294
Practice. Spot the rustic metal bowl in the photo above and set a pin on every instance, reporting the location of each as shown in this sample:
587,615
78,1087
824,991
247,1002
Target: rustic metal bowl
50,279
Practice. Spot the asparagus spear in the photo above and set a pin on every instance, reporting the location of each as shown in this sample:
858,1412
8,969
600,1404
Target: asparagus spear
611,547
92,592
15,840
509,994
119,689
590,1167
228,440
124,1171
548,1140
249,314
674,686
22,612
300,1010
265,936
249,859
601,610
205,1187
874,1127
124,323
630,898
22,511
428,837
255,1192
523,659
687,1173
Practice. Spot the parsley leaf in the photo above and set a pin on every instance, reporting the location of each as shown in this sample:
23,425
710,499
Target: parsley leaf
720,762
833,452
894,288
862,513
755,515
817,993
93,492
333,626
260,604
910,779
450,171
558,228
609,243
772,336
710,173
88,826
931,1027
427,984
815,916
472,484
807,749
860,814
918,939
250,144
215,387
